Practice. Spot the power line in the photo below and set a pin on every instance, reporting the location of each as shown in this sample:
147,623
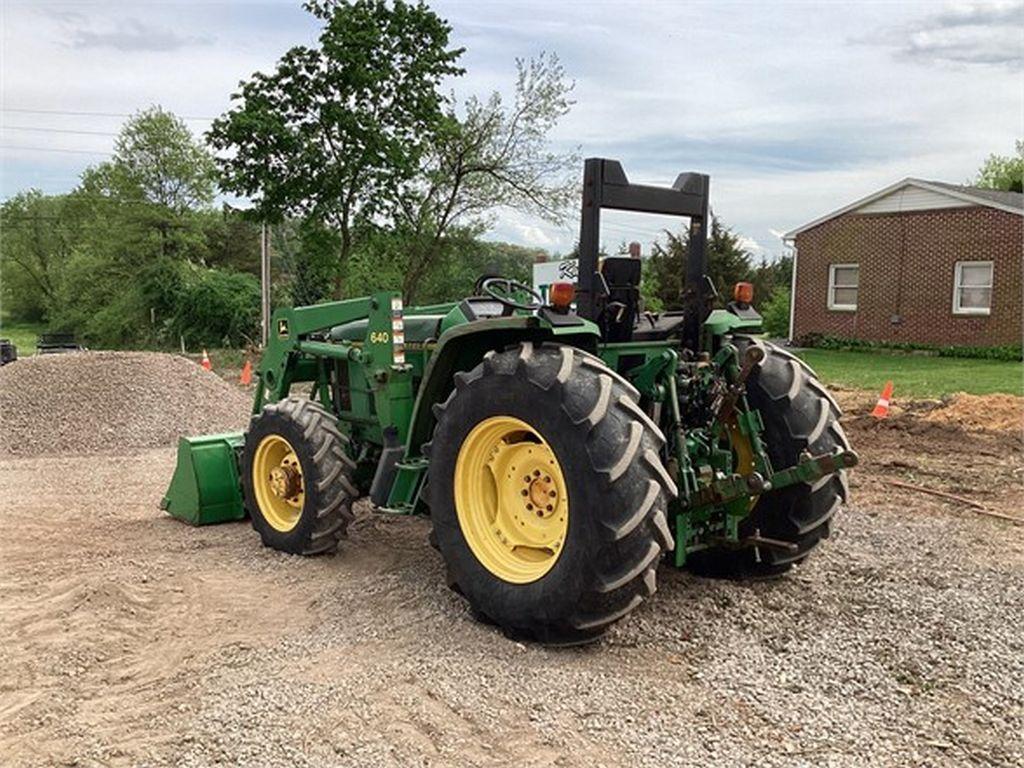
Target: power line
93,114
55,130
57,149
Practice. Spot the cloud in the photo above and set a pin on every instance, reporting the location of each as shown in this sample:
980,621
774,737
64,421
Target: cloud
963,34
130,35
751,246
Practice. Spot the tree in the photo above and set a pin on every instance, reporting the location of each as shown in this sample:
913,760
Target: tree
775,311
1003,172
465,258
307,253
231,240
150,192
770,277
36,247
728,264
157,159
491,155
338,128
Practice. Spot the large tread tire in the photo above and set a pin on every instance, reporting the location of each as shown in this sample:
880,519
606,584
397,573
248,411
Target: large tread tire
618,491
799,415
327,472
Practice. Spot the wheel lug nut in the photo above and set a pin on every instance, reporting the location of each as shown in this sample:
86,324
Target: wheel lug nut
525,492
536,473
529,505
549,508
552,494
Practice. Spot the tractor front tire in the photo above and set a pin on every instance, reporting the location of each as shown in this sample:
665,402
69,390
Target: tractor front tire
799,415
296,478
547,493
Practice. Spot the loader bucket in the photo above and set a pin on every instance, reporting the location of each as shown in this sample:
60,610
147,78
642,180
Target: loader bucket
205,487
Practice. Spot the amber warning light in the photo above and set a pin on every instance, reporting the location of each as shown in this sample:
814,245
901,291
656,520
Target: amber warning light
561,295
743,293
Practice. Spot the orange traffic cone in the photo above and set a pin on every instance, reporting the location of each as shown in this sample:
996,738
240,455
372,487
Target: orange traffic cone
882,406
246,378
206,361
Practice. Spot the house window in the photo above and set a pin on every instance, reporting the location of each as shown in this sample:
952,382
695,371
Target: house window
972,288
842,286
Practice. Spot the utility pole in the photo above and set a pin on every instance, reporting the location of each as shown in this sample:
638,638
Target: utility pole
264,285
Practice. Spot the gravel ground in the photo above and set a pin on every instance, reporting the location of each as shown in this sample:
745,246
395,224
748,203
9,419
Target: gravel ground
132,639
111,401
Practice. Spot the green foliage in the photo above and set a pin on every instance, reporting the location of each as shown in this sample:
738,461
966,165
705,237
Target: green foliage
664,273
336,129
769,277
231,241
157,159
1006,352
204,307
307,253
149,195
1003,172
85,262
36,244
775,312
466,259
379,263
489,156
218,308
728,264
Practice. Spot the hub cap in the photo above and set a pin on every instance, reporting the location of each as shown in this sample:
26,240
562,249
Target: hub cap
511,499
277,482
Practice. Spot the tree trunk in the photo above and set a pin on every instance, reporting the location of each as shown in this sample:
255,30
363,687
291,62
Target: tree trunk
343,254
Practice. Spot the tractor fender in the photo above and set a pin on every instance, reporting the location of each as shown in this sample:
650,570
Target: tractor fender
461,348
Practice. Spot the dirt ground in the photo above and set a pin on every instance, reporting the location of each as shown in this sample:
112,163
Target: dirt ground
132,639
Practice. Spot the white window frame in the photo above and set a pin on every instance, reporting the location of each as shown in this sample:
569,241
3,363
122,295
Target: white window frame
957,287
832,286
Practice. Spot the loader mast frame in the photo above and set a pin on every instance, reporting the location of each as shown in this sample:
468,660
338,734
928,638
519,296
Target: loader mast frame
605,185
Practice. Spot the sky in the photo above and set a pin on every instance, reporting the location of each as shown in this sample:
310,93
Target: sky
793,108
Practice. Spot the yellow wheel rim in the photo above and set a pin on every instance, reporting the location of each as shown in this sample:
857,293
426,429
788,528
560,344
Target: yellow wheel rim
278,483
511,499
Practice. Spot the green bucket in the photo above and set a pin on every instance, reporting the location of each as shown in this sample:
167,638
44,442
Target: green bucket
205,488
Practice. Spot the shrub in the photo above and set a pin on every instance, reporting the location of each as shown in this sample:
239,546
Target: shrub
205,307
1006,352
218,308
775,312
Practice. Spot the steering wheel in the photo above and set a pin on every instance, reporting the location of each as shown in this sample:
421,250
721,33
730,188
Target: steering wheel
505,291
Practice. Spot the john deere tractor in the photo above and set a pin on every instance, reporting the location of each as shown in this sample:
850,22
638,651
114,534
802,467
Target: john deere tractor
562,446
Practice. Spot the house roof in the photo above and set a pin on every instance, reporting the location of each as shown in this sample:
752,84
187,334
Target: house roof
1012,202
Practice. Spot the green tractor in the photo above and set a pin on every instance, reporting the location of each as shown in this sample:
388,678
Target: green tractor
560,451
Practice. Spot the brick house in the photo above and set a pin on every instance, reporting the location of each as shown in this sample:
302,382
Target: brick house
919,261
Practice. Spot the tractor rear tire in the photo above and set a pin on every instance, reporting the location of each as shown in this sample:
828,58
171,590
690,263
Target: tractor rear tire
799,415
314,453
583,420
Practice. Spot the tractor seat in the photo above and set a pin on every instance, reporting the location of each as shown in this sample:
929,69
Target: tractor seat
666,324
418,328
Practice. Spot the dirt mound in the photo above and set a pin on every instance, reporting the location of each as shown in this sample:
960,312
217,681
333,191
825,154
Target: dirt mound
998,413
95,402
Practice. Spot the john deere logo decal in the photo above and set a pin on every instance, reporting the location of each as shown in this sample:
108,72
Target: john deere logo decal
282,328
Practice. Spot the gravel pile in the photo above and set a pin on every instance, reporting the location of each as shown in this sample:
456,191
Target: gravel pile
94,402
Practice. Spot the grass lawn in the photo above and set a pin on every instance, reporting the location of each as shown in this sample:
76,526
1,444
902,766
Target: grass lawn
916,375
23,335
